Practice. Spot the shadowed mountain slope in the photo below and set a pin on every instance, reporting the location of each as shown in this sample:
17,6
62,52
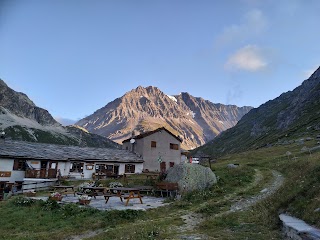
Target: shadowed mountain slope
292,115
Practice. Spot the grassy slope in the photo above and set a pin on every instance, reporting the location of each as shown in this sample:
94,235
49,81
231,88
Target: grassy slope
88,139
290,116
299,195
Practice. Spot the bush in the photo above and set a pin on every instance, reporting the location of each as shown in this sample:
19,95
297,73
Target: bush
22,201
49,205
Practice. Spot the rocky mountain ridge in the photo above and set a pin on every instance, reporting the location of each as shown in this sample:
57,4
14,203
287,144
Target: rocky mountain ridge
194,119
21,119
293,115
20,105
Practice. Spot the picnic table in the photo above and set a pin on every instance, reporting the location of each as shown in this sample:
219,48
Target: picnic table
63,189
95,191
123,192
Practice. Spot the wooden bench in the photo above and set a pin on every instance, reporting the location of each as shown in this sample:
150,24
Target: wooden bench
168,187
109,195
65,189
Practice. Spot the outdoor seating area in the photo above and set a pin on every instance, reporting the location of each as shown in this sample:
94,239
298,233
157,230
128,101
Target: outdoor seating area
169,188
131,191
113,202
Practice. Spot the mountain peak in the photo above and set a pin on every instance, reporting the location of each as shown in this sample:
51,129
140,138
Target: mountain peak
19,104
148,108
316,74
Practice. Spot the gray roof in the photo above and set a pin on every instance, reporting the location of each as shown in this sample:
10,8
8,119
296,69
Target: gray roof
30,150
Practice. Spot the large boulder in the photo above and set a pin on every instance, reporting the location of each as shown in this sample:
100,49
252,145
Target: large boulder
191,177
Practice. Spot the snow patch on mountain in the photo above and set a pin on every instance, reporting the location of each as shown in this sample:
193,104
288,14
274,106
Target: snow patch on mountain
172,98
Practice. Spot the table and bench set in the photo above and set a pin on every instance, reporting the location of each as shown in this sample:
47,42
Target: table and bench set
123,193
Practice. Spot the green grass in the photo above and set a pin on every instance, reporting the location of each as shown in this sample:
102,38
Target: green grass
48,220
299,195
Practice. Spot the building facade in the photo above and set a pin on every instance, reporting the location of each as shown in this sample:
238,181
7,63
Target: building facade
25,161
160,149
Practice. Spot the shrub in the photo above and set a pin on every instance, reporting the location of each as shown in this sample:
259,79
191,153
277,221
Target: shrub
22,201
49,205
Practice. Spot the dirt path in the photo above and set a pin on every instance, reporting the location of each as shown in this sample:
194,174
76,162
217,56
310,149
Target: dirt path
270,189
192,219
85,235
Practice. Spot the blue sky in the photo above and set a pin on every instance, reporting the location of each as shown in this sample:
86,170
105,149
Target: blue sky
73,57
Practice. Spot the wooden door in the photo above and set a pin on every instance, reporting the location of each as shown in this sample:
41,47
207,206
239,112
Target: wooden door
163,167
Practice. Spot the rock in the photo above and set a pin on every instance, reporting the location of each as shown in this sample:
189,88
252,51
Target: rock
264,190
309,138
231,165
300,141
285,142
317,210
288,153
191,177
304,149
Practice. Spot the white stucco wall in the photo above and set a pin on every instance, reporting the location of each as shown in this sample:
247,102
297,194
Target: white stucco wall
7,166
151,155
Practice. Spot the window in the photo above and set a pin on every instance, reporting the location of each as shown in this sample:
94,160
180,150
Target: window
76,167
89,167
109,168
19,165
100,168
103,168
153,144
53,165
171,164
174,146
130,168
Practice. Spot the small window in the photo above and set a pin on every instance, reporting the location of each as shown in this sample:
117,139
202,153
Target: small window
153,144
100,168
130,168
19,165
174,146
76,167
171,164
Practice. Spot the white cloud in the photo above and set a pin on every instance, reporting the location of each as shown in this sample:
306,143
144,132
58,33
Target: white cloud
249,58
253,23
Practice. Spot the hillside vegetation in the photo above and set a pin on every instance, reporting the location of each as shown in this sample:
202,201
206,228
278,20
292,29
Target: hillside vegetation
226,211
289,117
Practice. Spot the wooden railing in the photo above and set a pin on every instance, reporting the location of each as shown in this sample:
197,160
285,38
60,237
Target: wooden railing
41,173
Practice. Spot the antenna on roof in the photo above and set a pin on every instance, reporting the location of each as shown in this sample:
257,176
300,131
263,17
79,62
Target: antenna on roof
132,141
2,135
